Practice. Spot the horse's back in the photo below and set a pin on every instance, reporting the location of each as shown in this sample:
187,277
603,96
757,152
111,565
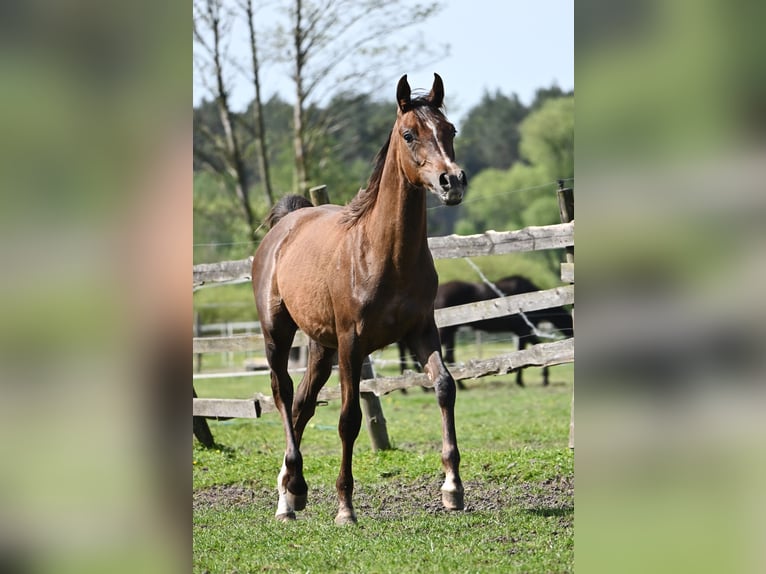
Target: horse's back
516,284
289,260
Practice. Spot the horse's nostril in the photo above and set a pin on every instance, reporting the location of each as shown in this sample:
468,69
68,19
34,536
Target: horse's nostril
463,179
444,181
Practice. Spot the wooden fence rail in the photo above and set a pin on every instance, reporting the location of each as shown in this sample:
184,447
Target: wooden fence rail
447,247
457,315
541,355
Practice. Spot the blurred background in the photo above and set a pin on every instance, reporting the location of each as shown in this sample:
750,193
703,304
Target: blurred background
100,182
670,152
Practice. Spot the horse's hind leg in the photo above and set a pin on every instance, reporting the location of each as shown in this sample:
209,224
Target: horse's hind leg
291,485
350,369
318,370
429,354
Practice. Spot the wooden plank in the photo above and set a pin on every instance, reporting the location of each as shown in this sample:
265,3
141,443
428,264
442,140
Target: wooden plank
446,247
227,408
458,315
543,354
502,306
248,342
499,243
222,271
567,272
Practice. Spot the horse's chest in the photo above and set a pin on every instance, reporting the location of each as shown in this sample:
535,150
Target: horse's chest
395,313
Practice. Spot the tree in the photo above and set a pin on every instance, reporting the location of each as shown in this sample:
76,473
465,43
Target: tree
548,138
257,105
489,134
524,195
497,198
211,23
338,46
542,95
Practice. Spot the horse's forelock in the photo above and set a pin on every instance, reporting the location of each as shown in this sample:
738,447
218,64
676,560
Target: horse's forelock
421,101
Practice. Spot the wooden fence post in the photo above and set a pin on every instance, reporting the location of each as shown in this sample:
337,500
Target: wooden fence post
373,412
201,429
566,212
319,195
198,333
371,406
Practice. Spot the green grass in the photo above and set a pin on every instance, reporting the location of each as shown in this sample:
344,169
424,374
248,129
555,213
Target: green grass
516,467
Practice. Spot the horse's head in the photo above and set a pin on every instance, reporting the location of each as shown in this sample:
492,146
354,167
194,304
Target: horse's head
424,137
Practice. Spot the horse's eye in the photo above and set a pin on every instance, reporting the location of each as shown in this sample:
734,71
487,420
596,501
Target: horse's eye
408,137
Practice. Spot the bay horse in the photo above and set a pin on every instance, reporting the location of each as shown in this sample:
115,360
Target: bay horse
454,293
355,279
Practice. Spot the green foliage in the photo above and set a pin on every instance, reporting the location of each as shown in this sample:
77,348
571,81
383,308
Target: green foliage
497,199
547,138
217,221
343,138
225,304
489,135
525,194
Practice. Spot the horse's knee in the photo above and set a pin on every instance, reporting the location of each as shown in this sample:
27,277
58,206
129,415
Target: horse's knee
350,422
445,390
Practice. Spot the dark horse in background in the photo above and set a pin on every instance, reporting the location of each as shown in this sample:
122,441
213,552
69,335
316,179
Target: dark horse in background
454,293
355,279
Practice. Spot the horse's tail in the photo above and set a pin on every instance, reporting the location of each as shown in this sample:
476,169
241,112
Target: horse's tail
285,205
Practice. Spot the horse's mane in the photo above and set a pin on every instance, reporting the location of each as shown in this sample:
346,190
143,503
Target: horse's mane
365,198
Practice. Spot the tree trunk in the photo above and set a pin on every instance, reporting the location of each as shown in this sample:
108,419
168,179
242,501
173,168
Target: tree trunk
260,136
299,144
236,165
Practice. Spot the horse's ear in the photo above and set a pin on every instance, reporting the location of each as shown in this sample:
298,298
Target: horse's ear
436,97
403,94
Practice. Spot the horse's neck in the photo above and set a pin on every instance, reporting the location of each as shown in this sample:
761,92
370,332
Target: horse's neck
398,220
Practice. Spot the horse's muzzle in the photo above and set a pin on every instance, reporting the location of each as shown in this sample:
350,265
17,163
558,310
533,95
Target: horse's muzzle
452,187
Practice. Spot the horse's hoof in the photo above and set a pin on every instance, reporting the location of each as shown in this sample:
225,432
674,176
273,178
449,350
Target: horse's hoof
452,500
296,501
345,518
286,517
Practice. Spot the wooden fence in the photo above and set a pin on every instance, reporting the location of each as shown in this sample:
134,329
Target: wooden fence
452,246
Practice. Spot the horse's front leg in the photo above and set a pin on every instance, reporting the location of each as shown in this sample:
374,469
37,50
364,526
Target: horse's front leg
350,370
291,485
428,350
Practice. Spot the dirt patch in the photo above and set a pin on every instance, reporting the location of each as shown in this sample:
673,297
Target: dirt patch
397,497
231,496
553,497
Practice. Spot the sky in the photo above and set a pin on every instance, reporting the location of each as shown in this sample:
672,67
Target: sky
514,46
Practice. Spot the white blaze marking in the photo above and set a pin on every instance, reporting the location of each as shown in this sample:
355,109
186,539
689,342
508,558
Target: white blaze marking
431,125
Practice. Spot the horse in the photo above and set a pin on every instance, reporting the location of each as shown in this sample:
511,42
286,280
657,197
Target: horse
454,293
355,279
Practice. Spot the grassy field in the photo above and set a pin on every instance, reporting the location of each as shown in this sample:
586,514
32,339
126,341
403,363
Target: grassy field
517,470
